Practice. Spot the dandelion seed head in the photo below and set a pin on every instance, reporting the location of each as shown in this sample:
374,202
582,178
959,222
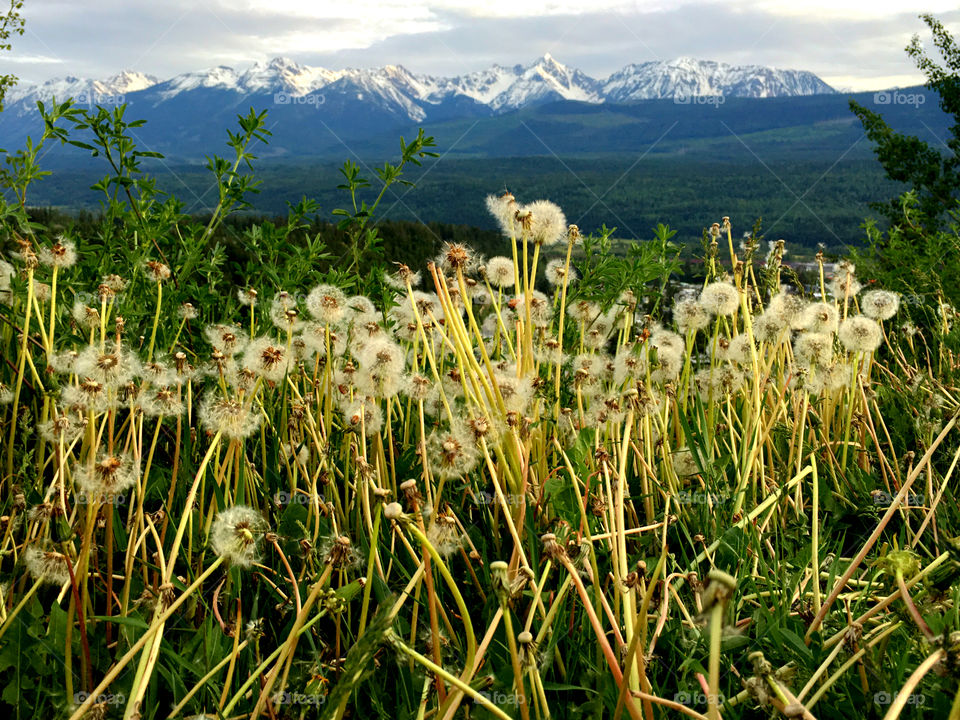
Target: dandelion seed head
403,275
62,254
791,307
267,358
668,365
314,335
516,392
162,401
285,313
821,317
187,311
116,366
339,552
229,339
684,463
383,355
157,271
88,396
365,413
548,225
417,386
247,296
738,350
813,349
845,285
235,534
47,566
720,298
428,304
499,271
444,535
630,364
41,291
583,312
667,341
110,475
860,334
113,284
770,327
235,420
557,273
880,304
504,209
541,309
451,452
690,316
7,273
87,318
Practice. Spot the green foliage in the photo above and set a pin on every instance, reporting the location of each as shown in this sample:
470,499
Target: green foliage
917,261
363,238
932,174
11,23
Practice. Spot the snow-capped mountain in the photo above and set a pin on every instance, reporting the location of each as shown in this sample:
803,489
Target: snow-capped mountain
113,90
395,89
502,89
686,77
314,109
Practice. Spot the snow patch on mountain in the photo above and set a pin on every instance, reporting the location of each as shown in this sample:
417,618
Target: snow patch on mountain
685,77
395,89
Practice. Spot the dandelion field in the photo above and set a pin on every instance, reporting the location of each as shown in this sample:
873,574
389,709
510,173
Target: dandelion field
276,483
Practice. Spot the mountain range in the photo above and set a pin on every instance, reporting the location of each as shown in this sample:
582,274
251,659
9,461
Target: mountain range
498,88
187,112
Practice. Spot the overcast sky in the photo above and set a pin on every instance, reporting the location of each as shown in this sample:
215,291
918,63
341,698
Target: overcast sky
851,44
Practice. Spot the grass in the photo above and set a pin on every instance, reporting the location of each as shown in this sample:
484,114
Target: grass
475,490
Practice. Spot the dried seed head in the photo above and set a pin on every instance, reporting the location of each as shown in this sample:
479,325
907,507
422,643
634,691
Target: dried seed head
47,566
341,553
157,271
411,493
500,580
551,548
247,296
393,511
235,534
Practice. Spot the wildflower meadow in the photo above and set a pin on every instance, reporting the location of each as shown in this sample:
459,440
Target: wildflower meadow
245,477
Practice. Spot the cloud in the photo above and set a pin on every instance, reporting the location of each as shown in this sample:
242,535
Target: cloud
841,41
33,59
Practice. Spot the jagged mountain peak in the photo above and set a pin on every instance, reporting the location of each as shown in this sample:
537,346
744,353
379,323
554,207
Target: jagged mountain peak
395,89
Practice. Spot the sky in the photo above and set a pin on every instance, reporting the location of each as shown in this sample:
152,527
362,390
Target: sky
851,45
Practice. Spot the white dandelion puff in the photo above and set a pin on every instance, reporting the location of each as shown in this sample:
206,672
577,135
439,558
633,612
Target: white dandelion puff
860,334
235,535
880,304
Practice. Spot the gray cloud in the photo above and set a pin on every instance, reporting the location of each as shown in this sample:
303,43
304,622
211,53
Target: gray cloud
167,38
